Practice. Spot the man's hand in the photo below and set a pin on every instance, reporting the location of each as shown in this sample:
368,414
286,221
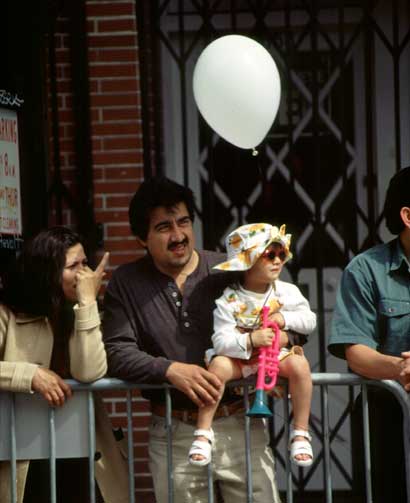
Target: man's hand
54,389
405,370
368,362
202,387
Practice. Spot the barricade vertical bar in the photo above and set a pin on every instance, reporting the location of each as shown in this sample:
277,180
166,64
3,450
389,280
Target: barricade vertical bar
289,484
406,436
130,440
366,439
249,483
168,422
326,443
333,379
91,436
210,484
13,451
52,438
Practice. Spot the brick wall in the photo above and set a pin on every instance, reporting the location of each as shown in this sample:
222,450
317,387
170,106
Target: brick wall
65,141
117,167
116,161
116,120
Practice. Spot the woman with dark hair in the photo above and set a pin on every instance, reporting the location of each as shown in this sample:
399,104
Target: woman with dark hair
50,331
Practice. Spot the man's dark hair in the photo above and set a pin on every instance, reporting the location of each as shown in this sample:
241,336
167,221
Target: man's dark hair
152,193
397,196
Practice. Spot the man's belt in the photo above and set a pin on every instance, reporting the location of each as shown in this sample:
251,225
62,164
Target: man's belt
191,416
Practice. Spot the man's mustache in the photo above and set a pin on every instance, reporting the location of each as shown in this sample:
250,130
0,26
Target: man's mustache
174,244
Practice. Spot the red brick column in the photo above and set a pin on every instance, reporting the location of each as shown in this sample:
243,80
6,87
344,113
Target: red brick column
117,167
116,135
116,120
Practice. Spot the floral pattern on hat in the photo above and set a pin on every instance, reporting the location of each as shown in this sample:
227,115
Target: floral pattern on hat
246,244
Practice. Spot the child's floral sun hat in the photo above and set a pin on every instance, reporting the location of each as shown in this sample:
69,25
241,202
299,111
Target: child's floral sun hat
246,244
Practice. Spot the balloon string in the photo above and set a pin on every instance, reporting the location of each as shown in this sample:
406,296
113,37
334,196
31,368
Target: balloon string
254,152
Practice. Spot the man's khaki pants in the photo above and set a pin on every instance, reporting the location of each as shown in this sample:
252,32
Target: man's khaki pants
228,462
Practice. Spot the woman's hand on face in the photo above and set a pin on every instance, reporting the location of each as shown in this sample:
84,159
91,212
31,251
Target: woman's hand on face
89,282
54,389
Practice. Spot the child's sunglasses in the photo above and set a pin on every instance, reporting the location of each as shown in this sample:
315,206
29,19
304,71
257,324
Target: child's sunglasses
275,251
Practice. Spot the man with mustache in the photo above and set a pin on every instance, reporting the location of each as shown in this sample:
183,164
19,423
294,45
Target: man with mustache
371,330
157,326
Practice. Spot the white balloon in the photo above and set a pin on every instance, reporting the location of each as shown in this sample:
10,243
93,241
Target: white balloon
237,89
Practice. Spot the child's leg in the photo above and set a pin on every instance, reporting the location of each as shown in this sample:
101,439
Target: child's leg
226,370
297,370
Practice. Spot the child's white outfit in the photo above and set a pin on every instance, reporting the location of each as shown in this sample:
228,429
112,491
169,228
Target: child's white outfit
238,311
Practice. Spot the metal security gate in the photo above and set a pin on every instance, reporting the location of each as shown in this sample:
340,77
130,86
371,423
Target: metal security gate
341,132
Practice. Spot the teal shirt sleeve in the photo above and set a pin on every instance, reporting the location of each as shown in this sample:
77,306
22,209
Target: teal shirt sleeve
355,317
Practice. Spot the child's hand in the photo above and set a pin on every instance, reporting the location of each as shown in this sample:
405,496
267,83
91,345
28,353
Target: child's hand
284,339
278,319
262,337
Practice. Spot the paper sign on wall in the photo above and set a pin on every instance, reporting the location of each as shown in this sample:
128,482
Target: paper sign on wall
32,427
10,195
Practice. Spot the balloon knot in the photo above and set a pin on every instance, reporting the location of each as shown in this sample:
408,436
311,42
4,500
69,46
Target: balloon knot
254,152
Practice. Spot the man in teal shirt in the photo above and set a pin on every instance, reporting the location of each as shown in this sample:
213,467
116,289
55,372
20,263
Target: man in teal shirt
371,329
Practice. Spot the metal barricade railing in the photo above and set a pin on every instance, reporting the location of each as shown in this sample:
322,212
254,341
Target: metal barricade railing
324,380
335,379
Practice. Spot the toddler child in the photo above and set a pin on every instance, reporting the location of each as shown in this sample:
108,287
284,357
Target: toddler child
259,251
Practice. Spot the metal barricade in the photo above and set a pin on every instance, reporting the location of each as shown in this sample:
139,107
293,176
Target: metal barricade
323,380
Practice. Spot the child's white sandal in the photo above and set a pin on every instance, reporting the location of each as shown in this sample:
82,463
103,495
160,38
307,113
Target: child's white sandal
300,447
202,447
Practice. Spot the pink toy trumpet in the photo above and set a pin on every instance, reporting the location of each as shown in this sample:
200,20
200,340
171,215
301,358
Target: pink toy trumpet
268,368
